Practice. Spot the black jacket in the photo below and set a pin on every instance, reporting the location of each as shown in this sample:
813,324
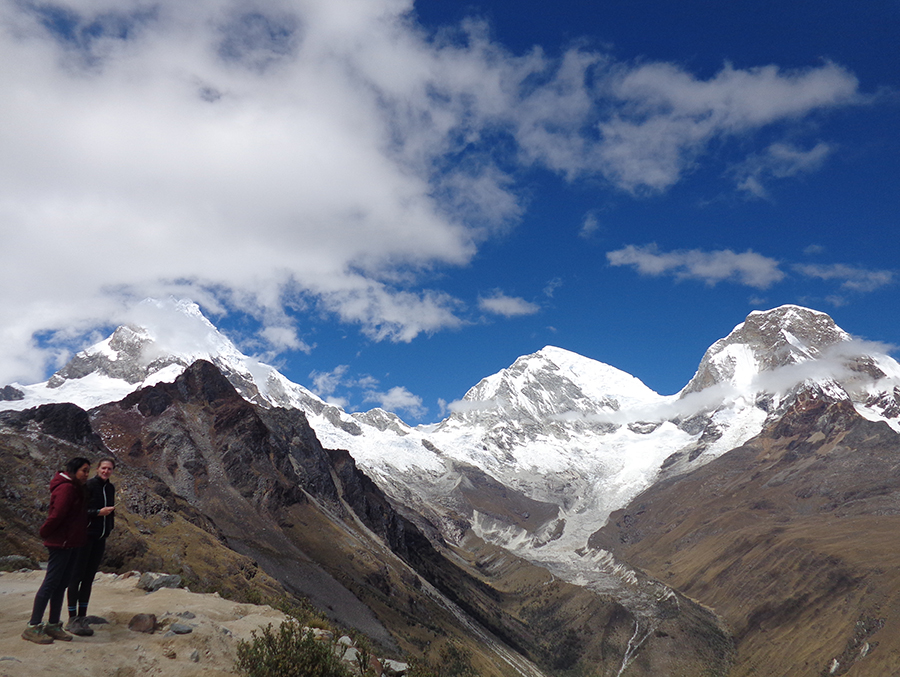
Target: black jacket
100,495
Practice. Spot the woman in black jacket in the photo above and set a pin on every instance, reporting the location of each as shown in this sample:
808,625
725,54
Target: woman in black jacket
101,505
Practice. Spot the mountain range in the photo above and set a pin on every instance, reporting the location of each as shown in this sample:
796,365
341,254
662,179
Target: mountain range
558,469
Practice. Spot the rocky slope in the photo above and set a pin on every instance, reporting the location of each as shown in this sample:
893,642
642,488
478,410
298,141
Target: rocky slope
792,537
218,489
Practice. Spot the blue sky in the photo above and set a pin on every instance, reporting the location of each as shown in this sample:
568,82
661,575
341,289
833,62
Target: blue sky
390,201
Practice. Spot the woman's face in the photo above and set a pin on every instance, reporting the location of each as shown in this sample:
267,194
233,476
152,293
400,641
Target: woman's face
81,475
104,470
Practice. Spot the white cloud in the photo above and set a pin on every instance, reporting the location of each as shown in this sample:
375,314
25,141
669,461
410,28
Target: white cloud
397,399
780,160
499,303
851,278
589,226
325,152
747,268
325,383
551,287
284,338
667,116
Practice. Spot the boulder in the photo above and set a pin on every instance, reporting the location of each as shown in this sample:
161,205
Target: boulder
151,582
142,623
17,563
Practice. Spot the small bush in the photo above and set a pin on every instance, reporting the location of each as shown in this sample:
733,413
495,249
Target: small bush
454,661
289,651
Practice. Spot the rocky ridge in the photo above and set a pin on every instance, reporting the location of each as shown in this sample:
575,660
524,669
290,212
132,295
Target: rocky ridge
236,497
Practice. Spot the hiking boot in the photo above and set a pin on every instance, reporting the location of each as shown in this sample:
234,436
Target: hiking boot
56,632
36,634
78,626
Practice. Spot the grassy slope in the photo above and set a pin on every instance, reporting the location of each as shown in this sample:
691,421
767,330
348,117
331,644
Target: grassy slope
792,538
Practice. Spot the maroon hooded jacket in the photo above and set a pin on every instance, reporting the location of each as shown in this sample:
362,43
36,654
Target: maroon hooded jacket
66,523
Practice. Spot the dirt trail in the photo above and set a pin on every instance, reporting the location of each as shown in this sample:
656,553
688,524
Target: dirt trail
116,651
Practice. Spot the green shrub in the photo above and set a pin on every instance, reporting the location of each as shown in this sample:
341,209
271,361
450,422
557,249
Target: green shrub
289,651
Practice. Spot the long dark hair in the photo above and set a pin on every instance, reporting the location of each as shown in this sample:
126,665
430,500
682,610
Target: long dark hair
74,464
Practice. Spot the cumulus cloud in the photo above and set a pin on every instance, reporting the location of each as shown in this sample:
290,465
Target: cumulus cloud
668,116
499,303
254,156
747,268
284,338
324,383
397,399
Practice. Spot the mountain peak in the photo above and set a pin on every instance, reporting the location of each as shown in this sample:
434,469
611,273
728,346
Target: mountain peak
555,381
163,338
765,341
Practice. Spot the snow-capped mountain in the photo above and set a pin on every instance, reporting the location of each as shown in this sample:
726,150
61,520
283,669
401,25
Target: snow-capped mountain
752,375
176,335
536,456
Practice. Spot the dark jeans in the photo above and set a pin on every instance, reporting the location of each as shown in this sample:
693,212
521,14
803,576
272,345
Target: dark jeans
86,565
60,566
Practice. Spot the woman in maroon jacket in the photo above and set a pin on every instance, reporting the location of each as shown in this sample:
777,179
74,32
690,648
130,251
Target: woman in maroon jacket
64,531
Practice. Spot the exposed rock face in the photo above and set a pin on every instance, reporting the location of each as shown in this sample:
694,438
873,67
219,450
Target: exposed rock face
10,394
124,359
764,342
63,421
534,460
791,537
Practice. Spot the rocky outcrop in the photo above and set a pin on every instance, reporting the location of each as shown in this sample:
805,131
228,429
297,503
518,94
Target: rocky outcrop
64,421
11,394
766,341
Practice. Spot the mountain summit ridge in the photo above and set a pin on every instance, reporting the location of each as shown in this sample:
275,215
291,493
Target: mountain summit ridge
571,438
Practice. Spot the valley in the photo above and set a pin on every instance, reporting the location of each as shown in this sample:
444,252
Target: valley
563,520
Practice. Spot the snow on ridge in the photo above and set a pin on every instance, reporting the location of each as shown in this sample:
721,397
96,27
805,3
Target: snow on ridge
598,379
788,313
87,392
555,426
555,382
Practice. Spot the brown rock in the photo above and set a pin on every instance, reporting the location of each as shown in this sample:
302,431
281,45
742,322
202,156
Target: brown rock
142,623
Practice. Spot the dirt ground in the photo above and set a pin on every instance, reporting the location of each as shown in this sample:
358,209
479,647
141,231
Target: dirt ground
114,650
